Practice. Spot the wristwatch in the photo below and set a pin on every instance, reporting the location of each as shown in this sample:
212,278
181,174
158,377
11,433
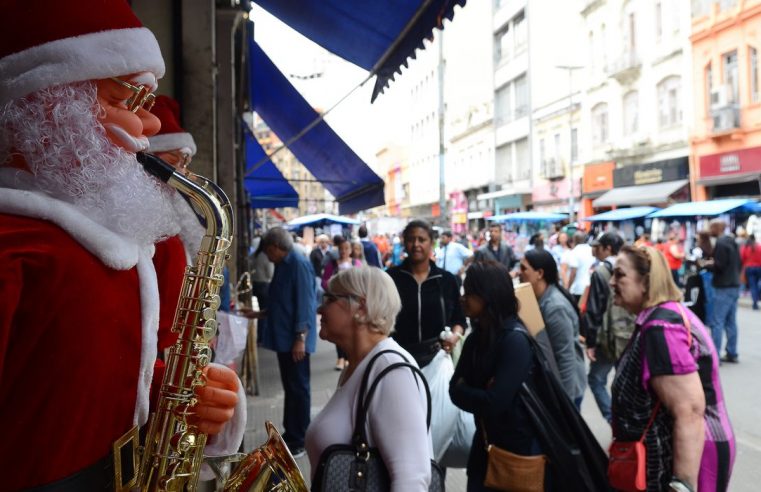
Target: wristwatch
301,335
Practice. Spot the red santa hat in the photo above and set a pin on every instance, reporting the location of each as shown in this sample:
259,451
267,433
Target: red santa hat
171,136
49,42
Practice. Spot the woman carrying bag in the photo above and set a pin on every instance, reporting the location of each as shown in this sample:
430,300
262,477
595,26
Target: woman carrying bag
495,362
357,314
667,396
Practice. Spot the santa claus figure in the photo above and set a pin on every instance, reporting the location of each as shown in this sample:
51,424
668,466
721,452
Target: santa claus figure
176,146
79,219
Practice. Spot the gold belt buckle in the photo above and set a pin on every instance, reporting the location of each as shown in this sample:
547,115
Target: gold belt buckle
126,453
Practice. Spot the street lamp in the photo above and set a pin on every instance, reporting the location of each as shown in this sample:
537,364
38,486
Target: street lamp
570,69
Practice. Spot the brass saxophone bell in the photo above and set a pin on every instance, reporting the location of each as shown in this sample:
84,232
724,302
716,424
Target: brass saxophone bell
270,467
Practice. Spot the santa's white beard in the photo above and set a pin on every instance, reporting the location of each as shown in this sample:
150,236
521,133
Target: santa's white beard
58,133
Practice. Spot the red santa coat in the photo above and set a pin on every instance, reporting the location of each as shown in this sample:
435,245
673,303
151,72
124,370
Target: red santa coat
78,336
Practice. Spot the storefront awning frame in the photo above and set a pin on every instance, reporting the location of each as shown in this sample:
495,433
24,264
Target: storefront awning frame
650,194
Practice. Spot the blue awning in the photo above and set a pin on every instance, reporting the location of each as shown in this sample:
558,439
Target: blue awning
377,36
529,217
353,184
622,214
266,184
702,209
320,220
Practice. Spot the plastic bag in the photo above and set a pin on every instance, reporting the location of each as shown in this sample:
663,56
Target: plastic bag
443,412
456,455
231,338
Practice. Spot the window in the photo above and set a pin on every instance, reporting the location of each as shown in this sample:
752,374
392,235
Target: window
521,35
574,144
521,96
542,154
557,147
503,108
631,116
504,167
523,166
669,107
600,124
731,78
503,45
592,57
708,87
630,34
658,22
754,96
603,47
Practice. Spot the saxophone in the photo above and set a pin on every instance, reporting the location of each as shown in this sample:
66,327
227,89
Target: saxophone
172,454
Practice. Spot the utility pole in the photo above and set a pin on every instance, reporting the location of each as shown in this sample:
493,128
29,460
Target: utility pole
571,199
443,215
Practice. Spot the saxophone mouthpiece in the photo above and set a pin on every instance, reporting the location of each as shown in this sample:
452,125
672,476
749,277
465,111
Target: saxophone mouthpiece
155,166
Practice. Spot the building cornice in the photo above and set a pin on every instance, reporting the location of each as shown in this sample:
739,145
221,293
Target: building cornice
715,27
471,130
591,6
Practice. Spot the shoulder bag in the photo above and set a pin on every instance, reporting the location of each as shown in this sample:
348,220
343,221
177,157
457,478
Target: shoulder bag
356,467
512,472
627,468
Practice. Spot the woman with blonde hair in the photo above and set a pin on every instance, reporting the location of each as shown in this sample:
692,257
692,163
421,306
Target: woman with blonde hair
667,387
357,314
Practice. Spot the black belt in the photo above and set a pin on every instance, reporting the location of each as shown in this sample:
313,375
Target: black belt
98,476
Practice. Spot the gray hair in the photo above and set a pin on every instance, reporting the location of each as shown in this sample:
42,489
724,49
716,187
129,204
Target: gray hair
278,237
375,286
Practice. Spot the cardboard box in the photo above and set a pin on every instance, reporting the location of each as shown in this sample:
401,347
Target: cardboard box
528,308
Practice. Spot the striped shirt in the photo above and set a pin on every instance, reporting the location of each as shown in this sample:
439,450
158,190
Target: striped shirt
658,347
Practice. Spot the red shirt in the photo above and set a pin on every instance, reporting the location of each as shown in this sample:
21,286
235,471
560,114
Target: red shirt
674,262
751,257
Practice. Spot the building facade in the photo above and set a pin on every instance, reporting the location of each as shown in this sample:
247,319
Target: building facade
468,98
313,197
726,139
637,100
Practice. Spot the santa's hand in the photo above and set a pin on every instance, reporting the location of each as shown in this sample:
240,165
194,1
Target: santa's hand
216,400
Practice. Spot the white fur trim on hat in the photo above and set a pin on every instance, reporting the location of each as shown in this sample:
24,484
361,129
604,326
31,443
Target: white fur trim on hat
172,141
92,56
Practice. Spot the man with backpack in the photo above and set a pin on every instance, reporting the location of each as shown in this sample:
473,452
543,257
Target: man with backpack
609,327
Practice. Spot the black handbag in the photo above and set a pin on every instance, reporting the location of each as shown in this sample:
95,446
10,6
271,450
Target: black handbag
357,467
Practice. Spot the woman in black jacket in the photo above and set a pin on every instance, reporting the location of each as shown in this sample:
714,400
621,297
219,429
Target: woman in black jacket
430,297
495,361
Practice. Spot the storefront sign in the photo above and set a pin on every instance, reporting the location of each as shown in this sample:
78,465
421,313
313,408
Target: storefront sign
554,191
598,177
739,161
652,172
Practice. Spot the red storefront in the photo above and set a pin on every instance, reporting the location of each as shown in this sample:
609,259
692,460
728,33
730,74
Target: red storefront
729,174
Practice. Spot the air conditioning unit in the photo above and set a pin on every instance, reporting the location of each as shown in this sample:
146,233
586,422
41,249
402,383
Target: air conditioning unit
724,119
720,96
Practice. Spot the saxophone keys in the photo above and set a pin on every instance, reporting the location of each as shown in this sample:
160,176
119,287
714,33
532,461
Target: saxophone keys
183,441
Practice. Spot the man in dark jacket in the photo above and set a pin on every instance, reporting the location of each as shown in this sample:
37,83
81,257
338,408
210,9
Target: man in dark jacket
726,268
318,253
609,327
430,297
496,249
372,256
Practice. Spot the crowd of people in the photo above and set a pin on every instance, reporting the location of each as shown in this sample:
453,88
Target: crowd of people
618,305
